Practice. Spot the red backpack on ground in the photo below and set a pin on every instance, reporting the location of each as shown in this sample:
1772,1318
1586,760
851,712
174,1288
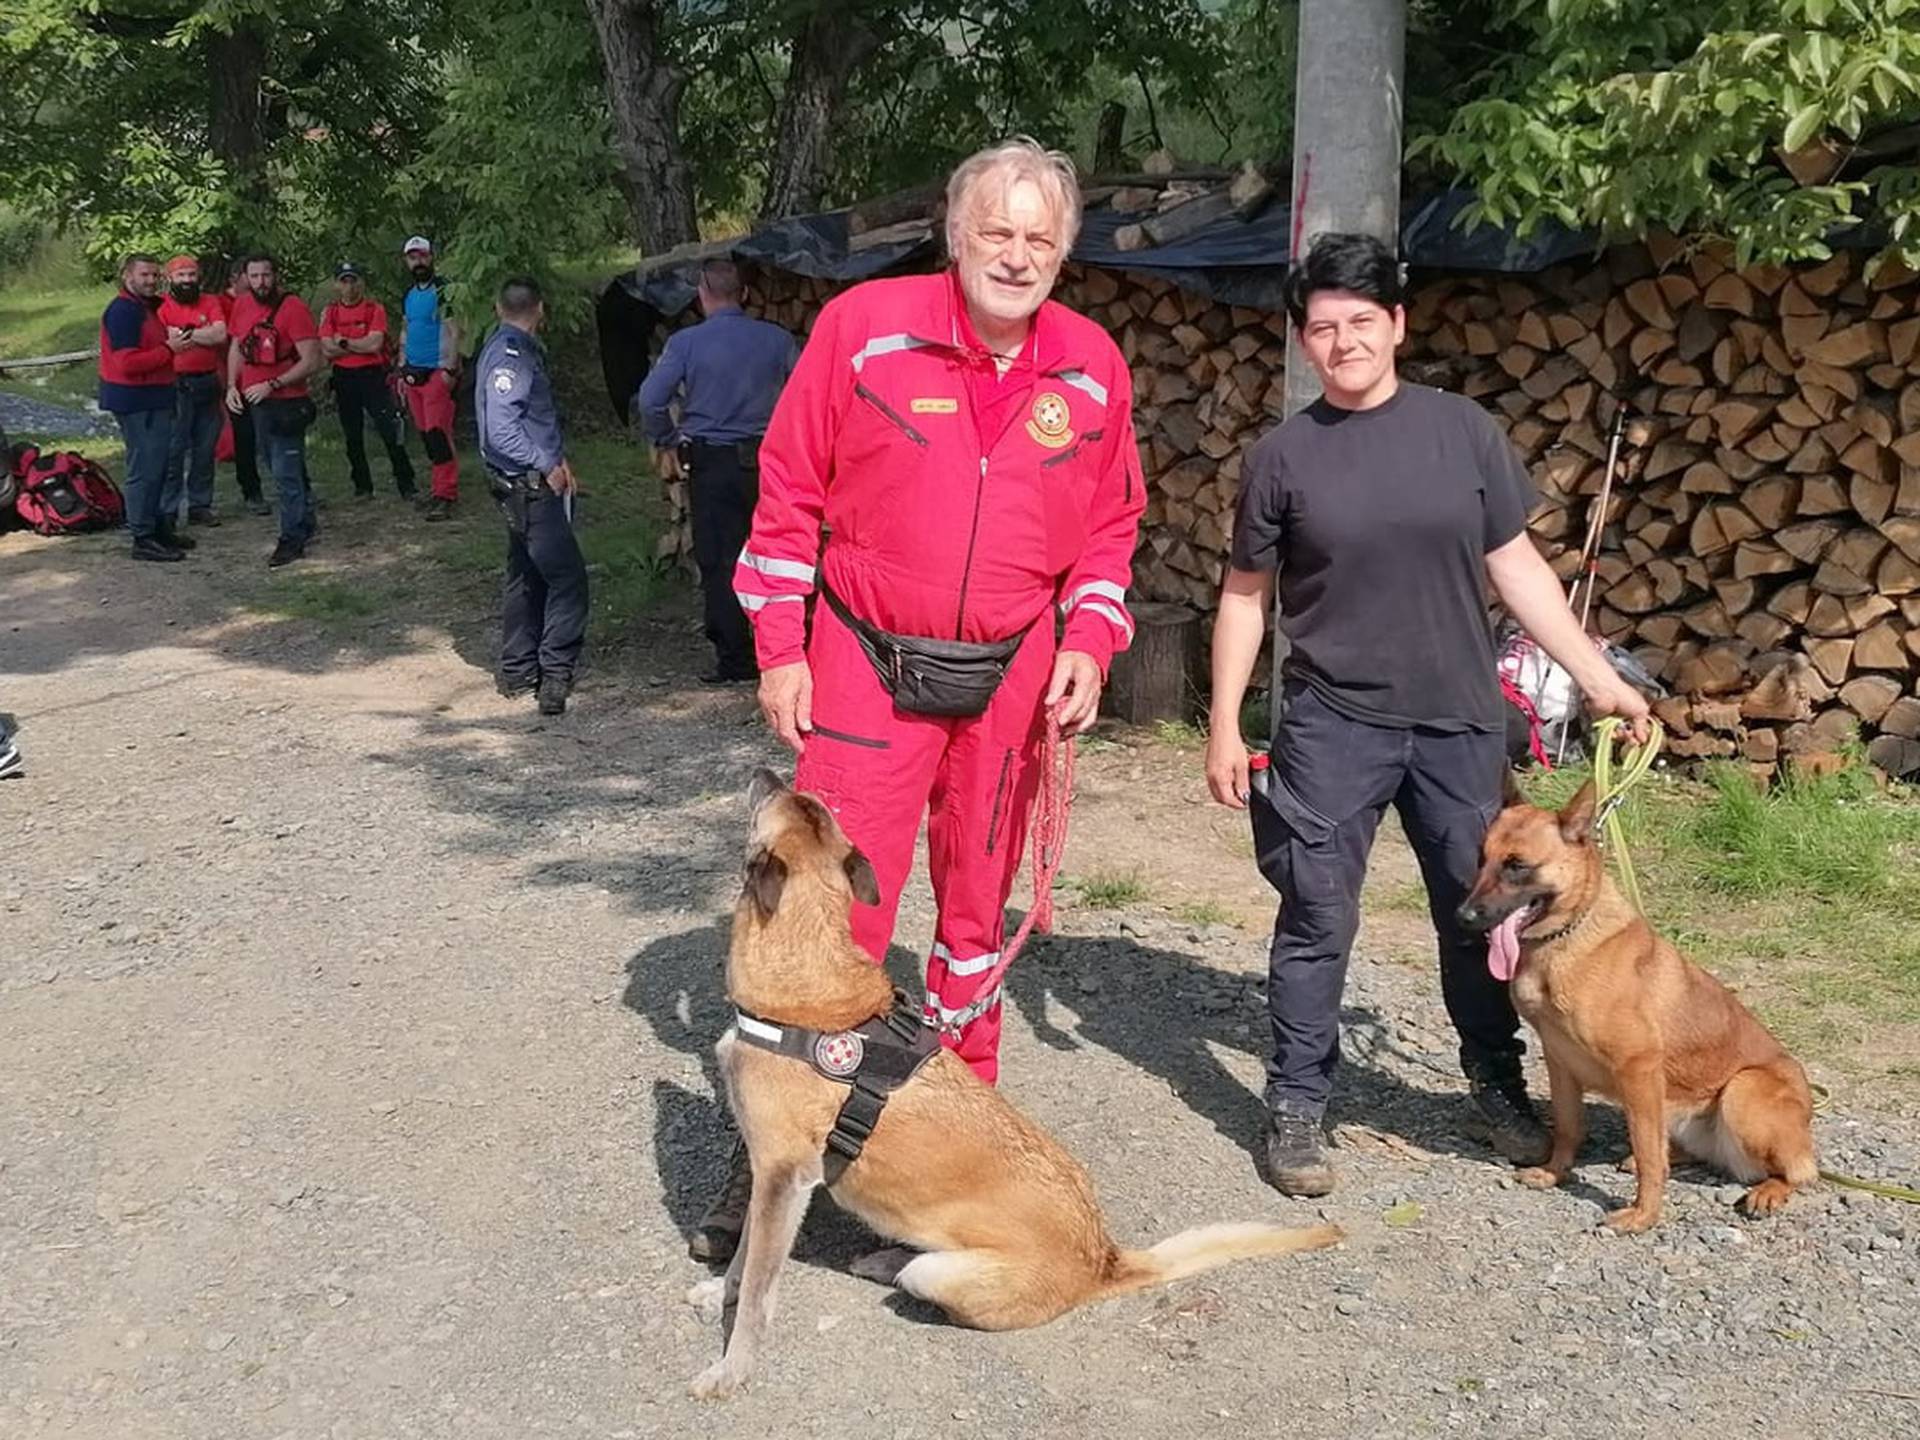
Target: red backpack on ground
65,492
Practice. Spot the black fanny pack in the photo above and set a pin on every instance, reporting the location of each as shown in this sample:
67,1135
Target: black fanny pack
952,678
417,374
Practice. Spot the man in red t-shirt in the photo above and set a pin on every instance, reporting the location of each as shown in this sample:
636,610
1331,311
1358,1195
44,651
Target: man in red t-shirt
201,320
275,348
353,336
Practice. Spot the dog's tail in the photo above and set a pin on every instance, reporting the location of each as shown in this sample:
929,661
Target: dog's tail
1207,1246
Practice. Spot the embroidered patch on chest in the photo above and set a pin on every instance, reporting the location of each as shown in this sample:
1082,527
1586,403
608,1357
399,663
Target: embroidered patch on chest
839,1055
1052,422
935,405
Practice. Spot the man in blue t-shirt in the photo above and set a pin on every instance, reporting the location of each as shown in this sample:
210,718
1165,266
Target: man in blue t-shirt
429,367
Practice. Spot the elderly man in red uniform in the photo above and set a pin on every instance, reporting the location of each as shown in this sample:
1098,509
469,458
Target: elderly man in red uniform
968,445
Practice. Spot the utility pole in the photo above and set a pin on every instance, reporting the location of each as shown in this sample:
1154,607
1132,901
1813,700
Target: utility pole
1347,116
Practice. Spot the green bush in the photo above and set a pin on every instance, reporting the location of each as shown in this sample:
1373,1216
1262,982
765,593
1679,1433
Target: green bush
20,239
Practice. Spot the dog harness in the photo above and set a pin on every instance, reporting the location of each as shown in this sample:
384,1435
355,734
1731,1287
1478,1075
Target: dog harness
872,1060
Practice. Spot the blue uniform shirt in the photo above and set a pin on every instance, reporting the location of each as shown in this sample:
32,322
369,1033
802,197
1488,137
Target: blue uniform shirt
731,367
422,309
519,424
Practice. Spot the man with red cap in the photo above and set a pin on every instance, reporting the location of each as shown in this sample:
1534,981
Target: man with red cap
201,320
968,446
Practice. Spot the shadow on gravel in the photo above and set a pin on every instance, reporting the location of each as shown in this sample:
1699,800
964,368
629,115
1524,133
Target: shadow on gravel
1151,1007
676,985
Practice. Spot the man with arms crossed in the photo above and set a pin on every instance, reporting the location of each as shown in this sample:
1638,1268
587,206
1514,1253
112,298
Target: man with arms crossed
1385,508
969,445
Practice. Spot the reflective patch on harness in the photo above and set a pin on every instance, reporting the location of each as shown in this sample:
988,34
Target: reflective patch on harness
839,1055
935,405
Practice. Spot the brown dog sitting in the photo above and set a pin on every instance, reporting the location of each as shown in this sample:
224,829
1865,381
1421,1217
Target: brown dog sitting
1004,1220
1621,1013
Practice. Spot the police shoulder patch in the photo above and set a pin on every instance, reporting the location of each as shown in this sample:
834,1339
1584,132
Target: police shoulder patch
502,379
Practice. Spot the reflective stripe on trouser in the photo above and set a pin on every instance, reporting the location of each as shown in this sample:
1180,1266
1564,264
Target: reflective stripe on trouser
880,769
431,406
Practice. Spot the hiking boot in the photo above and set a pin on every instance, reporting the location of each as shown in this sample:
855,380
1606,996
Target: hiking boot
257,505
168,537
148,548
553,694
718,1233
1297,1162
514,686
1512,1125
203,515
285,553
437,509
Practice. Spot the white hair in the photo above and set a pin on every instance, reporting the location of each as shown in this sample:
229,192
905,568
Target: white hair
1021,158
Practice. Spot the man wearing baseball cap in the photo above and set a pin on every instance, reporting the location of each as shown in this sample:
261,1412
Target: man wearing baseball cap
353,337
429,365
201,320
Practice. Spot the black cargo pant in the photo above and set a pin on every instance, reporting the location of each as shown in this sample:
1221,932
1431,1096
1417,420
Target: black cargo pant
246,455
543,613
1332,779
361,393
723,485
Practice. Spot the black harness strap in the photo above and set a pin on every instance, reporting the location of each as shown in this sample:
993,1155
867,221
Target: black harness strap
872,1060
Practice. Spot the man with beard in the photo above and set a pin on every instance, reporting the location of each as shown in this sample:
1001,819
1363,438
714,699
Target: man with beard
202,320
136,388
238,442
275,348
430,364
353,335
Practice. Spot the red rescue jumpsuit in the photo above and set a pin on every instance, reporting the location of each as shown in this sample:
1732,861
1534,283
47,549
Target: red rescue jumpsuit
954,504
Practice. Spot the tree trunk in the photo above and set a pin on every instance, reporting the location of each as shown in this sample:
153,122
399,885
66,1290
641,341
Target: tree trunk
643,91
236,61
829,42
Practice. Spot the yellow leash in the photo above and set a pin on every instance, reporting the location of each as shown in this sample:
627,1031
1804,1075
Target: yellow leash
1610,792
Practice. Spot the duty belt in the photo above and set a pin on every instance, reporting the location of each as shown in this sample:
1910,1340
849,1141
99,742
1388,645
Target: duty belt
872,1060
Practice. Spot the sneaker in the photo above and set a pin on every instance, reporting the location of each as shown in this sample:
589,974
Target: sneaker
285,553
514,686
438,509
203,516
1512,1124
257,505
553,694
1297,1163
717,1235
149,548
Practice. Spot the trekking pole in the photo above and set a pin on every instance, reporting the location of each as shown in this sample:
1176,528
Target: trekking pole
1590,551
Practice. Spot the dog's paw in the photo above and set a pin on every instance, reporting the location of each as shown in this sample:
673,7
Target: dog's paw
1631,1220
707,1297
1538,1177
1765,1198
718,1381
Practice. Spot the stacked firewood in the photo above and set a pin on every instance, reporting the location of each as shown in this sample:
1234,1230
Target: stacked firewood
1761,547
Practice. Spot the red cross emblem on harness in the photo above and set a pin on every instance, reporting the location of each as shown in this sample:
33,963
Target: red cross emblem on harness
839,1055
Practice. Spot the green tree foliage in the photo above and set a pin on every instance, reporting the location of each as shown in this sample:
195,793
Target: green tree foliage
1757,121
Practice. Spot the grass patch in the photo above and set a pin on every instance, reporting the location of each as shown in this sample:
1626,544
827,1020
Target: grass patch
1407,897
1180,734
1203,912
1108,891
324,598
1830,837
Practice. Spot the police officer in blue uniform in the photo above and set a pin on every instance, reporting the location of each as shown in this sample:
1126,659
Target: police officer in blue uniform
544,614
727,372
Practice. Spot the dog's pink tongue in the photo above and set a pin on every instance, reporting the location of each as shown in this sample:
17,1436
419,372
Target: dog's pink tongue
1503,945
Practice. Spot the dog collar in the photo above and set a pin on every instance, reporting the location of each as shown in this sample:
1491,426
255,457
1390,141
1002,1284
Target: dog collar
873,1060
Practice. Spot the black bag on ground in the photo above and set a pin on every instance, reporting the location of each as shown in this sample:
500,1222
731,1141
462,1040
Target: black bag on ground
955,679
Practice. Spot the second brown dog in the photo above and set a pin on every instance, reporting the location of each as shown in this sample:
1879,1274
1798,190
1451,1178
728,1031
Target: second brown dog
1621,1013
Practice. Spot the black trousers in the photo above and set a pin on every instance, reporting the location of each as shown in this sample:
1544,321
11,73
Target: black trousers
543,615
1332,779
246,454
362,395
722,489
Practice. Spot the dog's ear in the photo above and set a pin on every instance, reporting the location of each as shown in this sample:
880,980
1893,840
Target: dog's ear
866,884
764,786
1576,816
1511,793
766,879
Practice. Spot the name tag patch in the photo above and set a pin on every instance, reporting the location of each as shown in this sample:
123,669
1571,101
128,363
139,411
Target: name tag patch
935,405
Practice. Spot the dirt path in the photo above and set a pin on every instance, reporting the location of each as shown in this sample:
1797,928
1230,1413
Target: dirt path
354,1029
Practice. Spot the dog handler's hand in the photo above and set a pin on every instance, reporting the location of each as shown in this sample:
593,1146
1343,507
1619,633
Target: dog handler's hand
1613,696
1074,694
1227,768
786,699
